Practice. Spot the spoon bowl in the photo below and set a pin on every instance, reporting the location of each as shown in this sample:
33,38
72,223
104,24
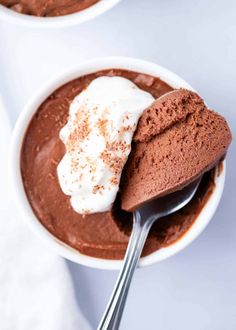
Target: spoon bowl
168,204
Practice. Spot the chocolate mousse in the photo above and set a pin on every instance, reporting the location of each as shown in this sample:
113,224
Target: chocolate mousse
47,8
177,140
105,234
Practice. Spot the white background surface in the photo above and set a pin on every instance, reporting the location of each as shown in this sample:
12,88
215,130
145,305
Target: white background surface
196,39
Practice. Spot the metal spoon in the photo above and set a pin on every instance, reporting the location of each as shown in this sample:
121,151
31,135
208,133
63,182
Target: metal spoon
143,219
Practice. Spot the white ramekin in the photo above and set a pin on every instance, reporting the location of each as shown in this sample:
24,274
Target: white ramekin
60,21
17,184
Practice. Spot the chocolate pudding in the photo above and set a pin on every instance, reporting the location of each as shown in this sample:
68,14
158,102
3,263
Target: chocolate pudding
103,235
177,140
47,8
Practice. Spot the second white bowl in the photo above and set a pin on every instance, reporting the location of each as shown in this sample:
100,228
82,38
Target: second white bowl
60,21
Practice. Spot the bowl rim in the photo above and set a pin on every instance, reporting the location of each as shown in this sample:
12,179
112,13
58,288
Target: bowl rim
18,191
60,21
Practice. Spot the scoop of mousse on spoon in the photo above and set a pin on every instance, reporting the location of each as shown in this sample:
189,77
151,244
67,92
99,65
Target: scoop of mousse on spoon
176,141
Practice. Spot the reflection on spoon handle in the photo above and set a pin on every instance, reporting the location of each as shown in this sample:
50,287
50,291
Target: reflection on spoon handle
112,316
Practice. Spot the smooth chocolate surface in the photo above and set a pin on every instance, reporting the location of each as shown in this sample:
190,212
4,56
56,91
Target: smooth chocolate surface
47,8
102,235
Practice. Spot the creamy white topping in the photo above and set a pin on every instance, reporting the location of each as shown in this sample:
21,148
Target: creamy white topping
97,137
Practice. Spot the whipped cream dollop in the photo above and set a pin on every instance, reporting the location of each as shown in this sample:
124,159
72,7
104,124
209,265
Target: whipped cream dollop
98,134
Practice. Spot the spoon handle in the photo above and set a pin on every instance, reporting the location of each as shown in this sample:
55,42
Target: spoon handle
112,316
